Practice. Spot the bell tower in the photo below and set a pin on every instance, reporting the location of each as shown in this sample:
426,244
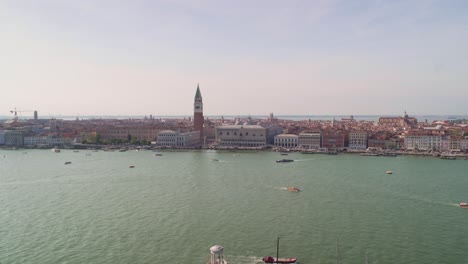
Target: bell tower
198,118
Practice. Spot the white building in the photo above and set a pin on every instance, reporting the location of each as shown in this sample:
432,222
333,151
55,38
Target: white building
171,138
241,135
286,140
358,140
423,142
44,140
310,139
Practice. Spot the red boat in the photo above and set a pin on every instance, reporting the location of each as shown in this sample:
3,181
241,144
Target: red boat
463,205
270,259
280,260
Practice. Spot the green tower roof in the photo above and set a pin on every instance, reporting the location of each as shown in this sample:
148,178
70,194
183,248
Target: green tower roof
198,94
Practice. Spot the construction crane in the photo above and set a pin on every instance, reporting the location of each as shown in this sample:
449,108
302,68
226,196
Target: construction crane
15,112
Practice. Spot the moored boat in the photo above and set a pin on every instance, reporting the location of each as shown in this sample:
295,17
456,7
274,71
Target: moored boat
270,259
463,205
389,172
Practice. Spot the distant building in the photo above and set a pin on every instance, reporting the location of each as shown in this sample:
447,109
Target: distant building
374,143
358,140
272,131
50,140
464,144
286,140
14,138
422,140
147,133
310,139
171,138
241,135
198,118
2,137
333,139
35,115
398,121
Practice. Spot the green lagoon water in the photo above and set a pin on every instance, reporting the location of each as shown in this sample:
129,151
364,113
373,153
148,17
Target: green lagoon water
171,209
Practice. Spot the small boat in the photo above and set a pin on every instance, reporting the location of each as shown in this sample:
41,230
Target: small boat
67,162
215,160
285,160
56,150
158,155
389,172
463,205
270,259
131,166
284,154
293,189
76,151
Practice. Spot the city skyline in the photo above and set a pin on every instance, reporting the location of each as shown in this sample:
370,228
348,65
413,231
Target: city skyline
146,57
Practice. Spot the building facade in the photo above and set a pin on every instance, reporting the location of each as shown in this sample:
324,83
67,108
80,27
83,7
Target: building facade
423,141
2,137
358,140
14,138
241,135
310,139
286,140
169,138
333,139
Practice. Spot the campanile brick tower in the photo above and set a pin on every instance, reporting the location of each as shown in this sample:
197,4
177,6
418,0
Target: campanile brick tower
198,118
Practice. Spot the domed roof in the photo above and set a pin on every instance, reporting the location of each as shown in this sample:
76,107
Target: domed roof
216,249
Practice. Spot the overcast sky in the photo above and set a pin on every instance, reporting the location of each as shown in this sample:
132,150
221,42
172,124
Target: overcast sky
135,57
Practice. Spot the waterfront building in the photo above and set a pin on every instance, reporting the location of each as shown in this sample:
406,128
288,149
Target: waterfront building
50,140
374,143
422,140
464,144
2,137
272,131
241,135
169,138
358,140
147,133
332,139
310,139
14,138
286,140
198,118
455,143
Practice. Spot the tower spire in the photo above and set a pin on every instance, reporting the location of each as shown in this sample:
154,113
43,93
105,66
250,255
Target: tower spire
198,93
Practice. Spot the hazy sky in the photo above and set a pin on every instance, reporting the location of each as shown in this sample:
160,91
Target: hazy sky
250,57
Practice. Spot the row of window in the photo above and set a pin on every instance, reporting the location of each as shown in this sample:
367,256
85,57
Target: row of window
240,134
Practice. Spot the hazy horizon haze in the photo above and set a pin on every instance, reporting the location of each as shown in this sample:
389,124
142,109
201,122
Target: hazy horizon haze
296,58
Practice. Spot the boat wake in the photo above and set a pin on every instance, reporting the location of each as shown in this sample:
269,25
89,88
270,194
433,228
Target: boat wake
303,159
